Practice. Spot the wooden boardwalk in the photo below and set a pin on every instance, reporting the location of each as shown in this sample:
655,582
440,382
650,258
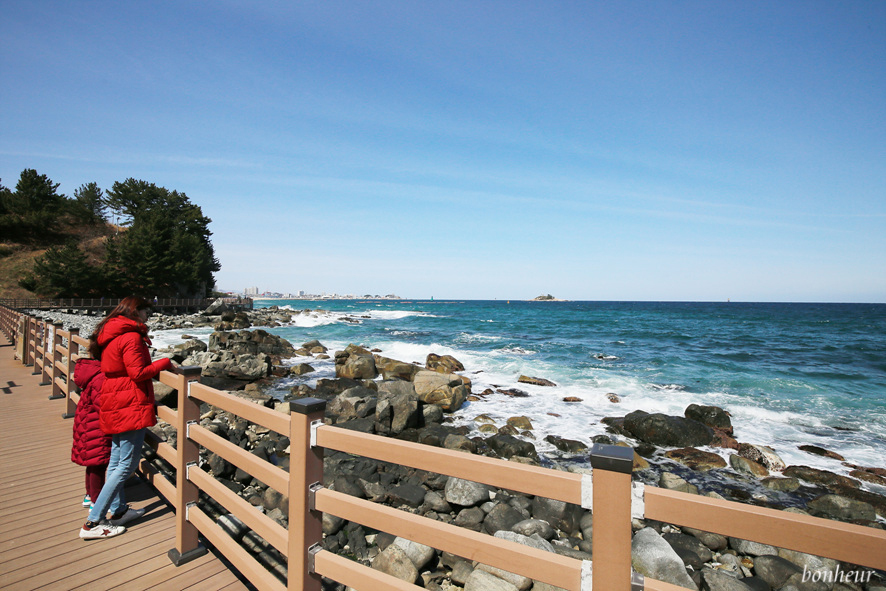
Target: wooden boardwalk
41,511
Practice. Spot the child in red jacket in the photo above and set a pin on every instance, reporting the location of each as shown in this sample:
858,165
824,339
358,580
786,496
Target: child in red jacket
92,447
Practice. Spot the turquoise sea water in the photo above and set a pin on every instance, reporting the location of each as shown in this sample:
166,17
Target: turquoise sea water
790,374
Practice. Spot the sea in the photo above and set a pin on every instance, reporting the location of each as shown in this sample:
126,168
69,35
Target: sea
790,374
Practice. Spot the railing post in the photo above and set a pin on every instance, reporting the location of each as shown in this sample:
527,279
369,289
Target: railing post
612,466
305,469
187,545
73,349
56,358
39,334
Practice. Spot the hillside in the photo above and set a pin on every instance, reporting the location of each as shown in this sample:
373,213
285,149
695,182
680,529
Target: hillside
17,258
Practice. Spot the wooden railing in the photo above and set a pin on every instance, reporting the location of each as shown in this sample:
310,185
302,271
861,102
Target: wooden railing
609,489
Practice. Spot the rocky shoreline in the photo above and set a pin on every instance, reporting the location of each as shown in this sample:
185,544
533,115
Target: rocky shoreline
375,394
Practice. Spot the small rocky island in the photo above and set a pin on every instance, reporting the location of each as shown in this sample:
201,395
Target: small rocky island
546,298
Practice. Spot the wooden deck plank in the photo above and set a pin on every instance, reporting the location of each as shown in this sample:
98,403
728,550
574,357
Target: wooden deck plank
40,485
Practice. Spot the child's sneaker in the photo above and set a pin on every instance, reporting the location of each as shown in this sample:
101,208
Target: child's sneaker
126,516
100,530
87,502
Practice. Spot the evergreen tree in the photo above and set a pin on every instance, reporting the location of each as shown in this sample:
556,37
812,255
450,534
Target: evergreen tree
89,205
36,192
64,272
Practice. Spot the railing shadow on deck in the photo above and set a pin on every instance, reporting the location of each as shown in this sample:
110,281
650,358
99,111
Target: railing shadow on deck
53,351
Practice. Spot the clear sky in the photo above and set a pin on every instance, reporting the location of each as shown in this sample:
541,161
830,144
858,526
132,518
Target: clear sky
620,150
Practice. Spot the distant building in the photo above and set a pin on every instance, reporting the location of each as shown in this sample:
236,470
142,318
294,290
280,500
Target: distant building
250,291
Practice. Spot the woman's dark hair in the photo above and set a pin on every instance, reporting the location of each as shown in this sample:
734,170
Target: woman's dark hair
129,307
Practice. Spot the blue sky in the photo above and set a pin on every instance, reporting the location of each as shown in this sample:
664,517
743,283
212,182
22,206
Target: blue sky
591,150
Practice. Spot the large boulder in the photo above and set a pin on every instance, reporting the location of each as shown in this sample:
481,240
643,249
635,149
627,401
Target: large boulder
448,391
391,369
465,493
397,408
508,446
841,508
353,403
443,363
653,557
251,342
668,431
228,364
712,416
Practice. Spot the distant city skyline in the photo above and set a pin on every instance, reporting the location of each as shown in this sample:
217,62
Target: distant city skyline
695,151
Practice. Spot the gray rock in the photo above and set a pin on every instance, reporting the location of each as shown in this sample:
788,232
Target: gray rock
712,541
841,508
480,580
470,518
762,455
712,416
669,431
534,542
808,562
775,570
395,562
397,409
653,557
693,552
561,515
419,554
508,446
720,581
461,572
407,494
465,493
528,527
501,517
519,581
752,548
458,442
435,502
674,482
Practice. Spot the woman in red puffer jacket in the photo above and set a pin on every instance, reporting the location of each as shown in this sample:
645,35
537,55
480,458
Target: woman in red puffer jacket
92,446
127,407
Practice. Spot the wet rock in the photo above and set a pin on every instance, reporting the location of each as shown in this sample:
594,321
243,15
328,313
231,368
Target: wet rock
781,484
507,446
669,431
746,466
821,477
301,369
712,416
535,381
868,476
820,451
521,423
653,557
458,442
572,399
566,445
696,459
513,392
841,508
673,482
763,455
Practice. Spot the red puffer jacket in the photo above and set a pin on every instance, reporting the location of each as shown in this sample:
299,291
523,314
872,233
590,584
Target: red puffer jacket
92,447
128,394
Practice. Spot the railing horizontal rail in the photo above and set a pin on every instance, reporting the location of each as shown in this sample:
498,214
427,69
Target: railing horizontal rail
553,484
250,411
554,569
851,543
246,564
261,469
356,576
263,525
